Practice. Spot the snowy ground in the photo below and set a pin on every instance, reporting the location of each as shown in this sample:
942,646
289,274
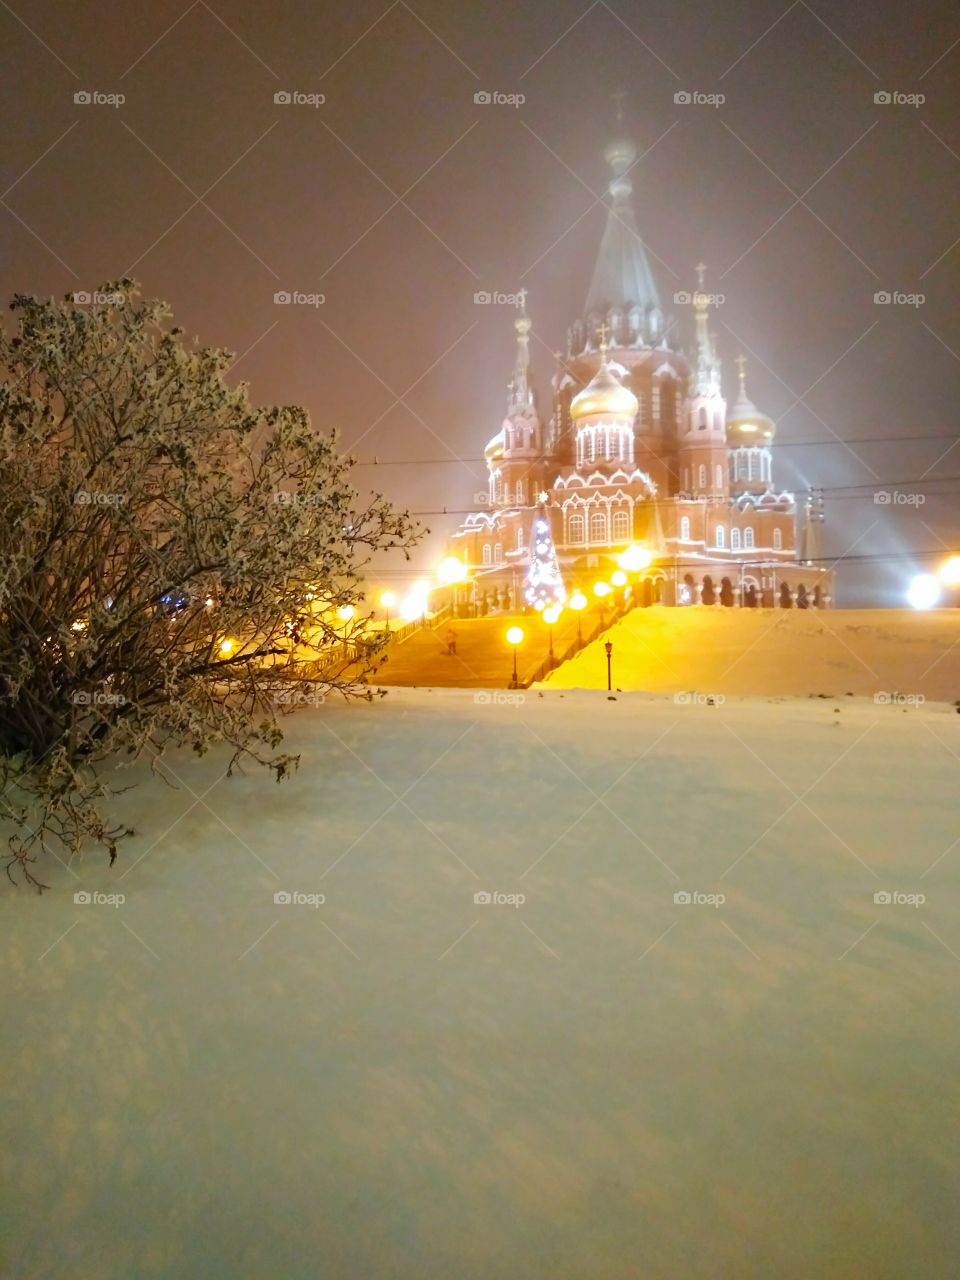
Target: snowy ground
599,1083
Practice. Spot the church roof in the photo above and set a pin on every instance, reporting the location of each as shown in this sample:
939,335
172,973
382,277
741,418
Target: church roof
622,276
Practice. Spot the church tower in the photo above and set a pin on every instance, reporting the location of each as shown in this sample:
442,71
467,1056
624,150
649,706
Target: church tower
749,434
514,452
702,436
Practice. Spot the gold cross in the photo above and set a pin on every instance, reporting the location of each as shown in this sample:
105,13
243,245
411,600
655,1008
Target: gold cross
741,363
701,271
604,333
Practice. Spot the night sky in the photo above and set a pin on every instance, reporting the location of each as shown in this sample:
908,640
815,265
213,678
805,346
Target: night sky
400,197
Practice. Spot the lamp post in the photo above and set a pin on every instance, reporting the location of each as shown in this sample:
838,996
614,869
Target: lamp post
387,601
345,613
550,616
609,648
515,639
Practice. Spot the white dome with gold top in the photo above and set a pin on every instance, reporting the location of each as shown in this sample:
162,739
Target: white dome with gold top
746,425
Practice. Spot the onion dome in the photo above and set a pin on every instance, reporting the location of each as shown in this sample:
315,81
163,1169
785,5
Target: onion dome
494,450
746,425
604,393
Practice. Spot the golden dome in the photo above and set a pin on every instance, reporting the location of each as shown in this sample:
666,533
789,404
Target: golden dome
494,450
746,425
605,393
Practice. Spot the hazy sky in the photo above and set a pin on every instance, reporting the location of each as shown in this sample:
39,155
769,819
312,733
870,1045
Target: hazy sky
399,197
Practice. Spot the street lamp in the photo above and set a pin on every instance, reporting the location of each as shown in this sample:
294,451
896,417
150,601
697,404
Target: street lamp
550,616
924,592
618,578
345,613
635,559
949,575
515,639
609,648
601,589
387,601
578,602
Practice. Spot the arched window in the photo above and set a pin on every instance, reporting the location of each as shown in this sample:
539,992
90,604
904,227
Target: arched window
668,403
718,476
575,530
520,539
621,526
655,396
777,540
591,446
686,479
642,410
685,529
702,418
702,476
748,537
498,554
521,496
598,527
721,536
734,539
487,553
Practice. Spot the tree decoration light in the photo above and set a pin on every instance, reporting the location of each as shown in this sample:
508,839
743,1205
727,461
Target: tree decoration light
544,584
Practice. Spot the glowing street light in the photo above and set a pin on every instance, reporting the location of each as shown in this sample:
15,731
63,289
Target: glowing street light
414,603
949,572
227,647
924,592
388,600
619,578
635,559
515,639
551,616
451,571
346,612
602,589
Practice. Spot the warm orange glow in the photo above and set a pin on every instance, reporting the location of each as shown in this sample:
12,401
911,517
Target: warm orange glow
577,601
451,571
635,559
515,635
227,646
388,599
552,614
346,612
602,589
949,572
619,578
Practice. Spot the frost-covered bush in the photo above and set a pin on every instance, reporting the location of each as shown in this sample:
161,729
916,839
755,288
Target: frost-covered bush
172,559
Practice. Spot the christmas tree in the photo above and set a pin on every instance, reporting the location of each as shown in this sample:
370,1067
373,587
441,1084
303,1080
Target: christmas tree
544,585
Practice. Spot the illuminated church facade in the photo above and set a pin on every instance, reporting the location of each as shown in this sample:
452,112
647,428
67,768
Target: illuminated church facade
641,448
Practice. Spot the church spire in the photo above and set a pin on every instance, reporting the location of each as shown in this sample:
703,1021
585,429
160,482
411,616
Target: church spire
521,393
708,372
622,278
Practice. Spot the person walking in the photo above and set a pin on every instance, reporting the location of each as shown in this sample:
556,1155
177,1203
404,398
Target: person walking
451,639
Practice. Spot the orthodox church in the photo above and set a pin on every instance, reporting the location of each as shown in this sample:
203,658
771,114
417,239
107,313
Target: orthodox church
641,449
